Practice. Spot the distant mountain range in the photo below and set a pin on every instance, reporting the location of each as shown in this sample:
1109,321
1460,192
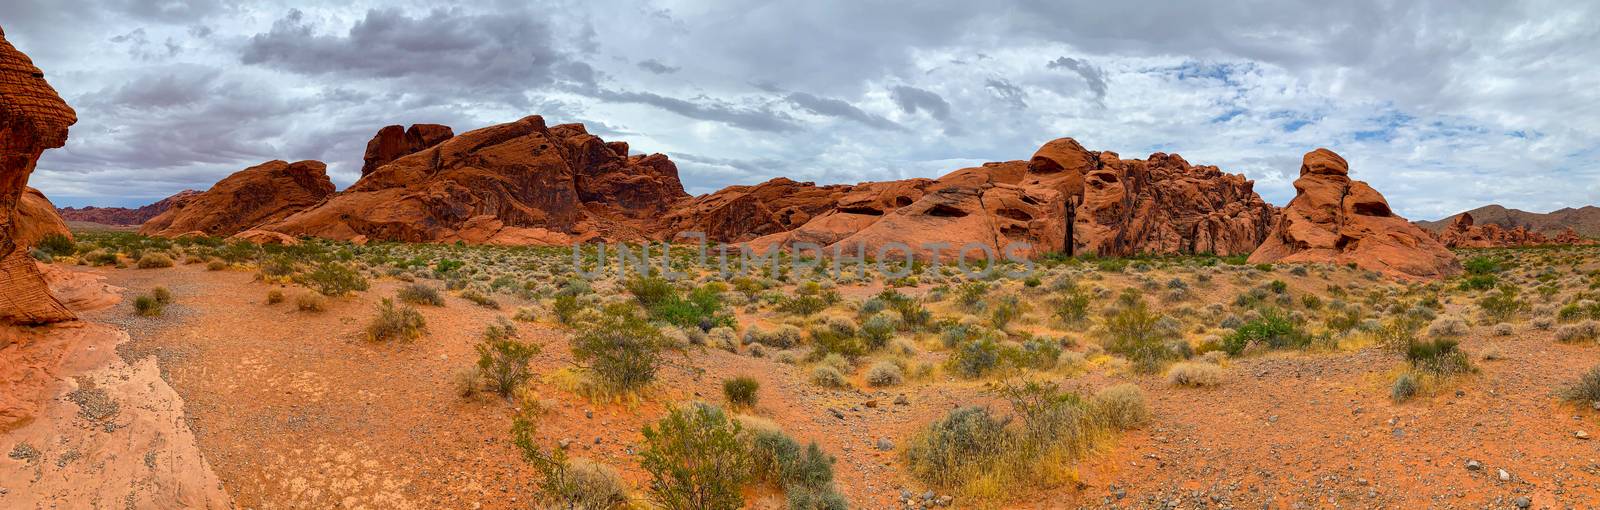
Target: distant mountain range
123,215
1584,220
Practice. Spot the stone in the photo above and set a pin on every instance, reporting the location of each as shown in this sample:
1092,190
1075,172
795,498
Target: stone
36,218
1581,435
1522,502
395,141
33,118
1473,465
245,200
1334,219
885,444
518,183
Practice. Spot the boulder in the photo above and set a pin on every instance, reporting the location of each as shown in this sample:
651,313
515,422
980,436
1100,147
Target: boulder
123,215
395,141
1333,219
260,194
36,218
518,182
32,118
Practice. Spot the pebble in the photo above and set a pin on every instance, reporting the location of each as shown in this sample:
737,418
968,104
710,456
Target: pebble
1473,465
901,400
1581,434
1504,476
884,444
1522,502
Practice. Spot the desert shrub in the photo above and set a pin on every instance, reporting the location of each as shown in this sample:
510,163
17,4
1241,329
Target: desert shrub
1502,305
1447,327
806,474
1398,333
154,261
1586,390
741,391
885,373
695,459
1136,333
1481,265
913,316
503,358
1502,329
620,348
396,323
333,279
958,447
1071,305
976,357
1194,374
57,245
566,308
1585,331
1440,356
828,377
310,303
148,306
826,341
1121,406
161,295
420,294
650,291
1272,329
480,299
782,337
1005,310
877,330
216,265
274,296
1404,388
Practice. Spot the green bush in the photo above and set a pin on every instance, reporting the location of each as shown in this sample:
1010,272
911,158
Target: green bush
420,294
741,391
396,323
1072,305
696,460
148,306
566,308
1273,330
333,279
57,245
503,358
976,358
885,373
877,330
620,348
1440,356
1133,331
1404,388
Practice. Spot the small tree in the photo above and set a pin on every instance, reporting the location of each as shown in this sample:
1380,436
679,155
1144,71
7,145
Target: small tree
503,358
696,459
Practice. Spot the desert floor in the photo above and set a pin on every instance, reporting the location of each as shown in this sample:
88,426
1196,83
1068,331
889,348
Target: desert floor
298,410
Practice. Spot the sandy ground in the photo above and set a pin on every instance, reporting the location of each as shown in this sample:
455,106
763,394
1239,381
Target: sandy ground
298,410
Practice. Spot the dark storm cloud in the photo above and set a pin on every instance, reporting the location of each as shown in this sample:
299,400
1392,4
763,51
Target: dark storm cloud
761,118
912,100
838,108
1008,92
445,47
1092,75
655,66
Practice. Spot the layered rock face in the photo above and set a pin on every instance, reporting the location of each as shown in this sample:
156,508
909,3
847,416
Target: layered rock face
395,141
32,118
1464,232
514,183
1114,207
1333,219
123,215
263,193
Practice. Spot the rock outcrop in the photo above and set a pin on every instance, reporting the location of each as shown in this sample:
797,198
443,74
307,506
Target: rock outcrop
514,183
395,141
123,215
1464,232
1585,221
1333,219
1114,207
36,218
260,194
32,118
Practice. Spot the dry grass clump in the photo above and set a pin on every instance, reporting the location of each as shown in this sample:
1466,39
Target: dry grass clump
154,261
396,323
1194,374
309,302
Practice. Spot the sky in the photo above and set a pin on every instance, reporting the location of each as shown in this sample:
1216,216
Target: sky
1441,106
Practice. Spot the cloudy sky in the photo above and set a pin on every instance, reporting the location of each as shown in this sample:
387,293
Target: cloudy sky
1443,106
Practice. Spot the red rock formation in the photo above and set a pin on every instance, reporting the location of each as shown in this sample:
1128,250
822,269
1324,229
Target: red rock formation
36,218
1463,232
32,118
392,142
123,215
514,183
1333,219
263,193
1115,207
